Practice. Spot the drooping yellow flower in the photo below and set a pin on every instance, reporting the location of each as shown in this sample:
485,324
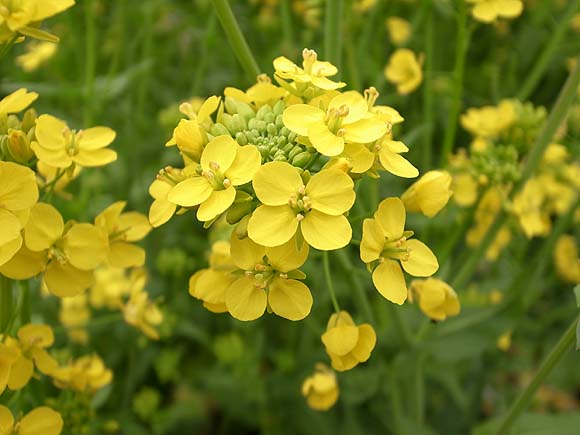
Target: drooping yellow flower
59,146
161,209
315,208
399,30
37,53
488,11
488,122
18,193
346,120
389,155
429,194
404,70
86,375
321,389
39,421
270,279
436,298
224,165
17,101
347,344
314,71
122,229
385,241
567,259
140,311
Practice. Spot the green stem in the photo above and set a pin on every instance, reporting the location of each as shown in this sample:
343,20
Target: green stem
360,292
419,388
90,62
428,88
555,355
332,32
546,57
6,303
400,323
329,283
236,39
462,43
203,56
287,27
25,302
565,99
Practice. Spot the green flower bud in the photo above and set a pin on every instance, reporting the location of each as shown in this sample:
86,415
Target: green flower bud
241,138
219,129
265,109
238,123
261,126
280,158
29,119
271,129
270,117
300,160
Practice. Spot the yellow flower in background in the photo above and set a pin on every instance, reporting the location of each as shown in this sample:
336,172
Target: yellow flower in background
210,285
347,344
139,310
17,101
429,194
224,165
39,421
504,341
314,71
270,279
347,119
289,205
18,193
321,389
530,209
404,70
37,54
59,146
161,209
488,122
74,314
567,259
575,22
488,11
19,17
437,300
384,240
85,375
399,30
122,229
111,287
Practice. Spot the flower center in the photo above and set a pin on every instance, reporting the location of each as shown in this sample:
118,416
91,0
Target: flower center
335,117
216,177
300,203
396,250
310,58
72,147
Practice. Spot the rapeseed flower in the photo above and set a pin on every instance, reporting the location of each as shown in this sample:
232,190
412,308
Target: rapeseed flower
313,72
39,421
487,11
74,314
488,122
385,247
404,70
85,375
17,101
315,208
567,259
399,30
429,194
436,299
263,92
347,344
37,53
161,209
321,389
139,310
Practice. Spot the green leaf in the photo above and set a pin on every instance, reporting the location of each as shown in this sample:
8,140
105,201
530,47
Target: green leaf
577,293
566,424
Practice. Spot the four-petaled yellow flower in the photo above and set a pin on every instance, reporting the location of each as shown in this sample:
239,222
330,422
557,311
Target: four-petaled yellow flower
385,241
321,389
429,194
39,421
315,208
436,298
346,343
87,374
224,165
488,11
404,70
314,71
346,120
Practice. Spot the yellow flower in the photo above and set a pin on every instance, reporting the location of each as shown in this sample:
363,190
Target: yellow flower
314,71
74,314
85,375
162,209
110,287
488,11
347,119
39,421
263,92
224,165
321,389
270,279
140,311
122,229
429,194
504,341
347,344
18,193
399,30
488,122
404,70
67,254
210,285
389,154
436,298
37,53
316,209
59,146
18,357
566,258
384,240
17,101
529,207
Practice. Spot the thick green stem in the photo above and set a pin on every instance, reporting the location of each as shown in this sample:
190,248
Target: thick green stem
565,99
90,62
236,38
332,32
545,59
329,283
6,303
462,42
428,88
555,355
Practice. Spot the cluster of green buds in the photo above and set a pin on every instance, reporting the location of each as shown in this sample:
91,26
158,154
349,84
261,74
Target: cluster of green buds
16,136
496,165
264,129
526,127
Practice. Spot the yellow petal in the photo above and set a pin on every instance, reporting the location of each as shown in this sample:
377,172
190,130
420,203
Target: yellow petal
94,158
67,281
189,192
245,252
218,202
359,156
36,334
41,421
422,261
123,255
17,101
20,373
366,342
9,250
340,340
357,105
373,241
160,212
397,164
325,142
49,132
299,117
366,130
53,157
391,217
289,298
44,227
9,228
275,182
390,282
222,151
135,225
18,187
331,191
43,361
6,420
325,232
511,8
272,226
95,138
48,8
85,246
244,300
25,264
211,286
245,165
287,257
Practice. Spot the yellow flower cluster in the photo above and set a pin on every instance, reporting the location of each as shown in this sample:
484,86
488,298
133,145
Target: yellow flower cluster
42,420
